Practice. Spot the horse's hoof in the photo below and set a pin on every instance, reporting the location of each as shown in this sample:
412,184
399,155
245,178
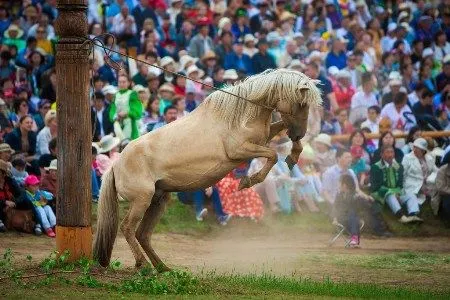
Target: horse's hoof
162,268
244,183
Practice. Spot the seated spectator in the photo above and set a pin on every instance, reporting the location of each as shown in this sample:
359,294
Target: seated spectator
170,115
442,205
18,171
49,179
373,119
43,212
395,84
328,123
425,105
239,61
9,193
344,123
413,134
23,141
44,107
325,156
386,179
358,139
151,115
45,159
387,139
363,99
21,109
358,165
6,152
396,111
243,203
48,133
100,117
199,198
343,90
166,94
419,166
346,208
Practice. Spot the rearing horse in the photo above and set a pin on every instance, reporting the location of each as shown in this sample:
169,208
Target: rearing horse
197,151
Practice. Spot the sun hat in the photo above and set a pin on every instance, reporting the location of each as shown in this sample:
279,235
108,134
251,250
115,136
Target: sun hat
167,87
223,21
14,27
230,74
343,74
421,143
4,147
53,165
209,55
250,38
286,16
392,27
166,60
107,143
31,180
323,138
308,153
139,88
295,63
427,52
185,59
109,89
193,69
333,70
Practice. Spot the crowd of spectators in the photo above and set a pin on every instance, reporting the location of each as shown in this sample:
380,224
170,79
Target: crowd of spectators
384,67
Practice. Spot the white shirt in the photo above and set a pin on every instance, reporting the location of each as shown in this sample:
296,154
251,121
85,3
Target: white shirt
43,139
373,126
395,116
119,24
360,98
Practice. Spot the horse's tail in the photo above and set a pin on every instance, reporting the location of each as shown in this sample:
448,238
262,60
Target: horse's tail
107,219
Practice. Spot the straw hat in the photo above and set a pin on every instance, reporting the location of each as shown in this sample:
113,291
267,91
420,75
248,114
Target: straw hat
209,55
109,89
286,16
107,143
250,38
223,21
53,165
14,27
184,60
307,153
49,116
323,138
230,74
4,147
167,87
193,69
139,88
166,60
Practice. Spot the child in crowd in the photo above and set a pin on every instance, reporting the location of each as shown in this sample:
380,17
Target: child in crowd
43,212
346,207
325,156
18,171
373,119
358,164
49,181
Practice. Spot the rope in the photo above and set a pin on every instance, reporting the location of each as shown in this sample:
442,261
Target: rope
98,42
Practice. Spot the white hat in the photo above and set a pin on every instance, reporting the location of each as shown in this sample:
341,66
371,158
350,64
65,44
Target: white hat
324,139
395,75
139,88
185,59
295,63
315,54
109,89
166,60
406,26
392,27
223,21
53,165
343,74
208,80
403,14
298,35
107,143
395,81
427,52
193,69
230,74
273,36
250,38
333,70
421,143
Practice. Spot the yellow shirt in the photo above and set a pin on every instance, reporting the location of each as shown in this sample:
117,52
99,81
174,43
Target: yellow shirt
45,45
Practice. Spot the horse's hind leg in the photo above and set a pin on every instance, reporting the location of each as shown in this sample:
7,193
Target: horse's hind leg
144,233
129,224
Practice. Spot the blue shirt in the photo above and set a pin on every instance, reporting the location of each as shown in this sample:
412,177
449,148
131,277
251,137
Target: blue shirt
339,61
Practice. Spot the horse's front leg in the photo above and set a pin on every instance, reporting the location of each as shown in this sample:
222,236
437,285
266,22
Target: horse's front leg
275,128
248,151
292,159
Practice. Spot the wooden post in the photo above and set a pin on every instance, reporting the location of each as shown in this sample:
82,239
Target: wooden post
73,230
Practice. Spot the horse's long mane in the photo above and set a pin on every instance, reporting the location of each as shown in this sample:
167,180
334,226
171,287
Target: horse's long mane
265,88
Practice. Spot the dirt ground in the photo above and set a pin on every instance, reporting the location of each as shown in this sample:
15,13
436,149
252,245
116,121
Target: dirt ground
291,253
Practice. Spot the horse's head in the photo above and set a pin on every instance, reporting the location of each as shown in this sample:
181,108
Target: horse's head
295,92
296,120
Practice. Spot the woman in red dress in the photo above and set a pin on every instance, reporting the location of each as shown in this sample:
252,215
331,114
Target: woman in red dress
244,203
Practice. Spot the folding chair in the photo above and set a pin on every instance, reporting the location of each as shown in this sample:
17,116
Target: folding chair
341,231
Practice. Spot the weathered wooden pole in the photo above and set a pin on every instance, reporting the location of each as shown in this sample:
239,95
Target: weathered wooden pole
73,230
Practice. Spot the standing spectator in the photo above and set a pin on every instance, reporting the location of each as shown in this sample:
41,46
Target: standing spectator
100,117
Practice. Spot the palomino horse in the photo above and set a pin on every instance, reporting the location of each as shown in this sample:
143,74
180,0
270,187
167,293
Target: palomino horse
195,152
